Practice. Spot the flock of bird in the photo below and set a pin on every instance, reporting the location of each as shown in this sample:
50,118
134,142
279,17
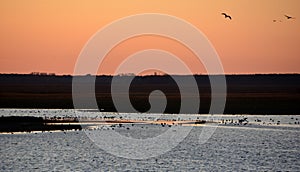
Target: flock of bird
287,17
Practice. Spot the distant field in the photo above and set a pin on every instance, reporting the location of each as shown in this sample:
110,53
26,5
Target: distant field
246,94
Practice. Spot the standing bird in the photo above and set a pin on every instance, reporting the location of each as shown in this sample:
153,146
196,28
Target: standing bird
226,16
289,17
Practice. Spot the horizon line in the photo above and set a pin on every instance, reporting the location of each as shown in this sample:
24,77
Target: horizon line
131,74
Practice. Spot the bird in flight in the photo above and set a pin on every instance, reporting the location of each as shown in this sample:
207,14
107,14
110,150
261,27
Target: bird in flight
226,15
289,17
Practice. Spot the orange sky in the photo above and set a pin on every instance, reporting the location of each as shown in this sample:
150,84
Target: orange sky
47,36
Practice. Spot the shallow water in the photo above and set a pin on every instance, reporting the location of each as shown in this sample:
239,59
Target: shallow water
258,147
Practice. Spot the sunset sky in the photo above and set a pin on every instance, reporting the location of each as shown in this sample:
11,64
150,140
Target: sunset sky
48,35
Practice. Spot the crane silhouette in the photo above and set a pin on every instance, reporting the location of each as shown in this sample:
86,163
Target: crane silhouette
226,16
289,17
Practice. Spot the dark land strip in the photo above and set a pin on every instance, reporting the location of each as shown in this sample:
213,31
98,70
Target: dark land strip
246,94
29,123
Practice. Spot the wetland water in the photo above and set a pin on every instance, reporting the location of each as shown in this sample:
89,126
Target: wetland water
262,145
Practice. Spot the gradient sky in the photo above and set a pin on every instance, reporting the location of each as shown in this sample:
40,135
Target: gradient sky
48,35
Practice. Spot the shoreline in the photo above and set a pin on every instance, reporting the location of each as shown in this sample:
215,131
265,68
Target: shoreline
28,124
